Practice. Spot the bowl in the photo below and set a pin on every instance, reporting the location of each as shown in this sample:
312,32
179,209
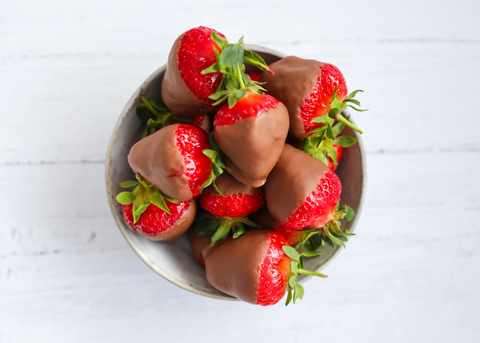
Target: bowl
174,260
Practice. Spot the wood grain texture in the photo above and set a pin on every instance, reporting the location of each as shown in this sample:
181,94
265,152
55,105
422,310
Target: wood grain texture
410,275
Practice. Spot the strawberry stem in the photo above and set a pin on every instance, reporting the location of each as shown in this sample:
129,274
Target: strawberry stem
259,65
344,120
239,77
309,272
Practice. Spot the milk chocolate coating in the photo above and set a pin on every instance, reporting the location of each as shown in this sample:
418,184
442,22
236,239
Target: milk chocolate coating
228,185
206,124
292,180
293,82
233,266
197,243
175,93
253,145
263,218
158,160
178,229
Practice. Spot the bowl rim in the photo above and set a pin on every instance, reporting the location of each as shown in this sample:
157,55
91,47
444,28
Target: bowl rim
120,224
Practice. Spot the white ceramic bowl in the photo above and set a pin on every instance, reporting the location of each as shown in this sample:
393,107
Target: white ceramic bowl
174,260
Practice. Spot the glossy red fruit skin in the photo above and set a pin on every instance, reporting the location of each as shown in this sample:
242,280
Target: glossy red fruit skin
254,75
196,54
232,206
274,272
155,220
318,104
191,141
251,105
339,151
319,206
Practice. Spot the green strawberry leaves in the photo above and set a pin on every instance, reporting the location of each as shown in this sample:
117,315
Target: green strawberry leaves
230,62
322,139
220,227
320,144
154,114
217,165
141,194
295,290
331,234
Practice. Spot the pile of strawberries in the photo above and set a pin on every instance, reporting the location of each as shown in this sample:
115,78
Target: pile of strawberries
218,134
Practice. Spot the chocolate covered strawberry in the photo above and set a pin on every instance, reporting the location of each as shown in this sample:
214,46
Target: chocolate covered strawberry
196,70
228,211
258,267
251,133
302,193
152,214
184,89
178,159
314,92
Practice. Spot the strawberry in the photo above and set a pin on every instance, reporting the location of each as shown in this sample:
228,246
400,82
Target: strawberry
258,267
251,133
175,160
229,210
301,192
251,128
152,214
196,69
185,89
314,93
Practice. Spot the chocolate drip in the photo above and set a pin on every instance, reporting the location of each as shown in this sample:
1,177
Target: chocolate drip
292,180
293,82
253,145
157,159
233,266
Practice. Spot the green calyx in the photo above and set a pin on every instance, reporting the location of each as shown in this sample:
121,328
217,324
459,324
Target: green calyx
217,165
337,106
320,141
220,227
141,194
321,144
295,290
331,233
230,62
154,114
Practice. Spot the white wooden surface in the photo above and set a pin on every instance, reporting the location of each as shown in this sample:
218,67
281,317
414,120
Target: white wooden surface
412,273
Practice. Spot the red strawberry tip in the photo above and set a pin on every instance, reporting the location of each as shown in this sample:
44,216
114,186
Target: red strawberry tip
220,227
142,194
295,290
